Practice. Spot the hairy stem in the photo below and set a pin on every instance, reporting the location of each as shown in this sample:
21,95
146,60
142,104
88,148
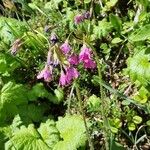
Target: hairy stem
102,96
83,115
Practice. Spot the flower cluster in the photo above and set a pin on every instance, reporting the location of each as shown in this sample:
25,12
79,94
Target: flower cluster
85,57
81,17
69,71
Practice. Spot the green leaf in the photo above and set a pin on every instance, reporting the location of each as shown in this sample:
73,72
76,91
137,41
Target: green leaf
12,95
7,64
93,103
39,91
141,34
53,4
33,113
113,129
102,29
72,131
131,126
49,133
116,146
115,21
11,29
59,94
148,122
4,134
139,67
26,139
116,40
137,119
87,1
111,3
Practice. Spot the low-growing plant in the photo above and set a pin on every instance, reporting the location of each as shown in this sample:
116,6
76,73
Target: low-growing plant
74,75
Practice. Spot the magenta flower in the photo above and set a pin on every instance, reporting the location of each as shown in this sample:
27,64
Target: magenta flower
85,53
71,73
85,56
65,47
89,64
73,59
78,19
62,80
46,73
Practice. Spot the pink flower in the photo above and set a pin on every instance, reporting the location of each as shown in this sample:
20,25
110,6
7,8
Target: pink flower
78,19
65,47
62,80
89,64
85,57
71,73
73,59
46,73
85,53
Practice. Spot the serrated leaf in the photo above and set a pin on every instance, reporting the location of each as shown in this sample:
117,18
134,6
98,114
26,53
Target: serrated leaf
141,34
139,67
102,29
72,130
49,133
11,29
93,103
12,95
26,139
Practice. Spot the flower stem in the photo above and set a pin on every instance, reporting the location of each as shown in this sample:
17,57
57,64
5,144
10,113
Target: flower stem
102,96
83,115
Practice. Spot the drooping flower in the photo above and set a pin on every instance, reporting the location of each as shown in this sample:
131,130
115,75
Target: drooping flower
71,73
78,19
67,77
73,59
53,38
65,47
46,73
85,57
62,80
86,15
89,64
85,53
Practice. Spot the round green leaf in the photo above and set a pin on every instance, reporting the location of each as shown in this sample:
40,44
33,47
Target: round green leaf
137,119
131,126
